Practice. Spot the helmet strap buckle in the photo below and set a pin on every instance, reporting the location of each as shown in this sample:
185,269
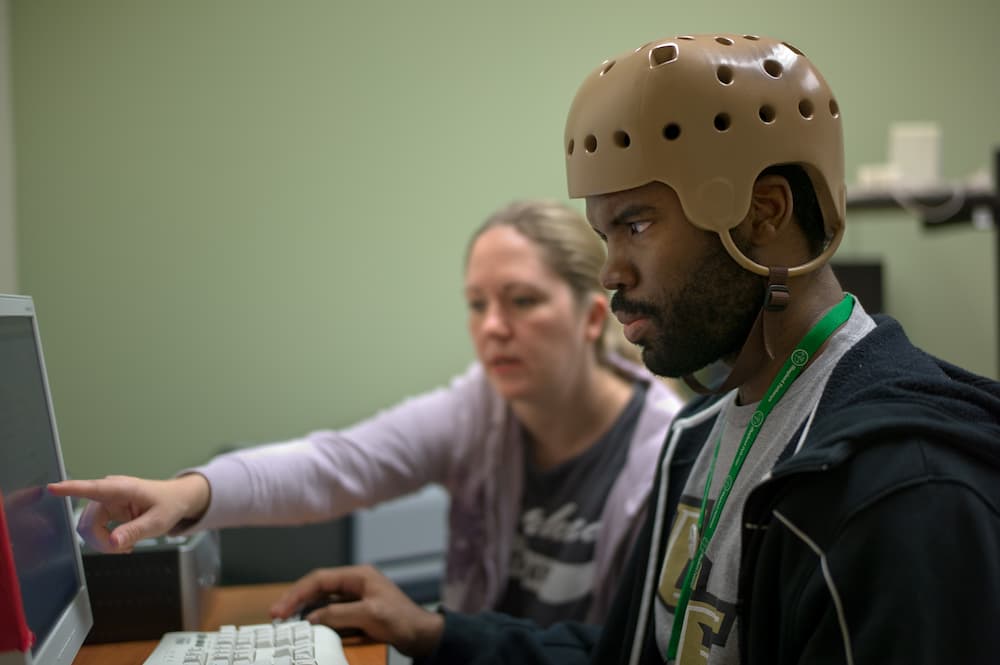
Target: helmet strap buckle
777,296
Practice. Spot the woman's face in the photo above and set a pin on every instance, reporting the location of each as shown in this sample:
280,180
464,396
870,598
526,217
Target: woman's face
530,334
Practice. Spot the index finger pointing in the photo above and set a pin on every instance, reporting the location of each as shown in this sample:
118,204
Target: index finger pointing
95,490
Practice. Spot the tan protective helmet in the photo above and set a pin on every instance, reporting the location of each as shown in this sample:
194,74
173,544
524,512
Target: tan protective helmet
706,114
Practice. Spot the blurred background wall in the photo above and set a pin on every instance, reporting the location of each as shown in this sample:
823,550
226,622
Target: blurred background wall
8,244
243,219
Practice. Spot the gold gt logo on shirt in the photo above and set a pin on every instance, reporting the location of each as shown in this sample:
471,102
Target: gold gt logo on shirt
708,620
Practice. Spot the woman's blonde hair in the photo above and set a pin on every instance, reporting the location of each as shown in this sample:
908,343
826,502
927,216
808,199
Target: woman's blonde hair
568,245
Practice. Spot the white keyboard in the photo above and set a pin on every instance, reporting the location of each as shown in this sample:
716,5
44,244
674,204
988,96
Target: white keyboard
288,643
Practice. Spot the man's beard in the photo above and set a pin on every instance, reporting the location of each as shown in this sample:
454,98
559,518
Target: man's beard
707,320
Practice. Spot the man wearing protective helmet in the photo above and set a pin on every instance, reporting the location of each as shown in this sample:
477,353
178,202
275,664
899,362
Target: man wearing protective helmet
837,497
713,167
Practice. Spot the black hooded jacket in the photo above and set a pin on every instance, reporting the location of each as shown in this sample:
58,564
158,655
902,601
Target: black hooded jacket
878,542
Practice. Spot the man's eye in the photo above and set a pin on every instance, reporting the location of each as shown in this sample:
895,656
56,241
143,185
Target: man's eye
478,306
635,228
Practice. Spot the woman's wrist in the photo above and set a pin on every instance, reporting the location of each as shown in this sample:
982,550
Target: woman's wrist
197,494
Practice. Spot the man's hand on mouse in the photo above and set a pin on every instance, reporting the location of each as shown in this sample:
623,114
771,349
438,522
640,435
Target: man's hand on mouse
365,599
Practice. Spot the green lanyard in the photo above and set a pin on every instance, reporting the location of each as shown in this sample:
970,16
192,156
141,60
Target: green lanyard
790,371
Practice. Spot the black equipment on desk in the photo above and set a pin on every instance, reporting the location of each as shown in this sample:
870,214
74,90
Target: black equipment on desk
161,586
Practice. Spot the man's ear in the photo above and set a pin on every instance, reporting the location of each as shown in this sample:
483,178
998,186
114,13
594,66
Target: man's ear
770,209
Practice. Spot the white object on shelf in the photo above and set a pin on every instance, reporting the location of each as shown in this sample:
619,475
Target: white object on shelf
915,154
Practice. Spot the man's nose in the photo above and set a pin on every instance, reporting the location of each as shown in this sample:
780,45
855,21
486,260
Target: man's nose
617,272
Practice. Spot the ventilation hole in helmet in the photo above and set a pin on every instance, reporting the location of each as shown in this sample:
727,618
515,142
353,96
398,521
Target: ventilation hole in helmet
793,49
773,68
834,108
643,47
569,148
806,109
725,74
608,64
590,143
672,131
622,139
722,122
687,38
767,114
752,38
725,41
662,54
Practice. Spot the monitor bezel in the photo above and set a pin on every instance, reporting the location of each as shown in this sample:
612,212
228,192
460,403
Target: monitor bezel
64,641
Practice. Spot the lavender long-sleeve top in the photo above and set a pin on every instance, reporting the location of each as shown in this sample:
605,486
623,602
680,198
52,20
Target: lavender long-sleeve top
463,436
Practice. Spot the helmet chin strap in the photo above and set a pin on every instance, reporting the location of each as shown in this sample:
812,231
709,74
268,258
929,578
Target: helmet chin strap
757,349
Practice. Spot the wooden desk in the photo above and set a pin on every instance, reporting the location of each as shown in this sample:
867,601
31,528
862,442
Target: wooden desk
229,605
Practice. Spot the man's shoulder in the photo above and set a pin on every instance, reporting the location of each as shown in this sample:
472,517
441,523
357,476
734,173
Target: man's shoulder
885,366
886,393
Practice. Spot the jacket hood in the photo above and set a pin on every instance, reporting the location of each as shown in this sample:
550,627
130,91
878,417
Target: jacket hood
886,386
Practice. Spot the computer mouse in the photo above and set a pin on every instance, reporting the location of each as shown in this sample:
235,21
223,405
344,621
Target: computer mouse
323,601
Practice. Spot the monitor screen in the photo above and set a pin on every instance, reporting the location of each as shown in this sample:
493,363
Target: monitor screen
46,552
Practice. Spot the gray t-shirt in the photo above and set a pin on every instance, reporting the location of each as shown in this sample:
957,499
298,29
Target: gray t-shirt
710,634
551,574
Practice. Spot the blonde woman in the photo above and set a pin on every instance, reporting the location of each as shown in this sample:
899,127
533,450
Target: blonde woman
546,444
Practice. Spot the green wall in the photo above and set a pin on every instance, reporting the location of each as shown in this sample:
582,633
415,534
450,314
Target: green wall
242,219
8,254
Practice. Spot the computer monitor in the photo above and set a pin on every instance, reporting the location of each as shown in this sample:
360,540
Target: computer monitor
46,552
